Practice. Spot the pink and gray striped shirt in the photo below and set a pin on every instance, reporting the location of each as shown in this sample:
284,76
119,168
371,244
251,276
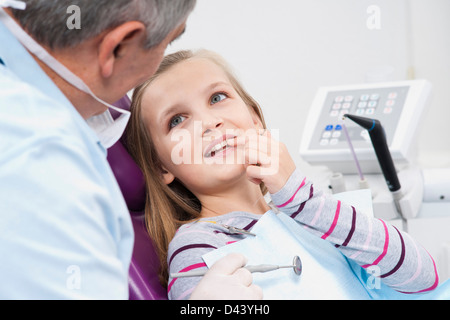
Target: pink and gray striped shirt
405,265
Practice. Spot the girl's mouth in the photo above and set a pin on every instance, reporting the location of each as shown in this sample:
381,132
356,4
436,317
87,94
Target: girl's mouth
217,146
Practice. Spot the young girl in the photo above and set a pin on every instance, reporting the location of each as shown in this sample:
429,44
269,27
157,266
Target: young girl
199,138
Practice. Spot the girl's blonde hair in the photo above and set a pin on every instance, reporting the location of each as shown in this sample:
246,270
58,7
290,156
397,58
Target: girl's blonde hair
169,206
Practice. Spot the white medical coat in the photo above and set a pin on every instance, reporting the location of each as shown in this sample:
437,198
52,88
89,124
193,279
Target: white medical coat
65,231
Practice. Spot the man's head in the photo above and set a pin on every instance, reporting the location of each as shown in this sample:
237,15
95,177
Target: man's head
118,45
46,20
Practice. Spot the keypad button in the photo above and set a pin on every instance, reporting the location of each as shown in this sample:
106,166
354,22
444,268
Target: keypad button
364,97
362,104
334,142
326,134
346,105
392,95
334,113
348,98
336,134
387,110
370,111
372,104
390,103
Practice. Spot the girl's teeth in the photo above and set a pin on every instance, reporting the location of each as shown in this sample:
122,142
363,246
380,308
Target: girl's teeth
218,147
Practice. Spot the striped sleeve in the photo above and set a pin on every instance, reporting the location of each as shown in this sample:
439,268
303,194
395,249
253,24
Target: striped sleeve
402,263
194,240
185,254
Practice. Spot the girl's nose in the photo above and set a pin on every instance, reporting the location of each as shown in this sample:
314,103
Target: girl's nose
211,125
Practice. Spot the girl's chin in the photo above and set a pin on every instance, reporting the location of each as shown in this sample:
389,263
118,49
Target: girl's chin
218,175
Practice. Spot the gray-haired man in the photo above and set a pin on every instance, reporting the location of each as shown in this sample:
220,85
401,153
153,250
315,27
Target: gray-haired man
65,231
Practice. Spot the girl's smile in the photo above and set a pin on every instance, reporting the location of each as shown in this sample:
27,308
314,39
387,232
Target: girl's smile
219,146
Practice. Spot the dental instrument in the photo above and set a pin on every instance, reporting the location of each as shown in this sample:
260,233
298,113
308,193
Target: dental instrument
378,138
296,267
231,229
234,230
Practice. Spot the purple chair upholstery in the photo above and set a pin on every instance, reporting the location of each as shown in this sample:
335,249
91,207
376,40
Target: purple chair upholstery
143,274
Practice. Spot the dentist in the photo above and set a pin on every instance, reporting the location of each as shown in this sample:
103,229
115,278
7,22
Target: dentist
65,231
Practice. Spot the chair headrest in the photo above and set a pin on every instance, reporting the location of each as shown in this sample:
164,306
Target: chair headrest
127,172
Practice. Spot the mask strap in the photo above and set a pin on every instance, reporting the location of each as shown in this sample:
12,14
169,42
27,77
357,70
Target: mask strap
28,42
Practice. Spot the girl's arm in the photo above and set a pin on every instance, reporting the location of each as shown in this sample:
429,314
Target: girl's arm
404,265
185,254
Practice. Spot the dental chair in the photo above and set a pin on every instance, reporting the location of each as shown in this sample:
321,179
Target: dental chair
143,274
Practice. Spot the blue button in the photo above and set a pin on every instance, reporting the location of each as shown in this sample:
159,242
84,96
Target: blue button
329,127
338,127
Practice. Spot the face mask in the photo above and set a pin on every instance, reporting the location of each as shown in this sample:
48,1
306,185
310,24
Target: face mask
108,130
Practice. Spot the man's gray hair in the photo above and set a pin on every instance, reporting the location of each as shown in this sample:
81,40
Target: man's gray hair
46,20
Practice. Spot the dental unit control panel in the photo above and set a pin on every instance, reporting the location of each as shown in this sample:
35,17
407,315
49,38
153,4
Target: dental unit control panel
397,105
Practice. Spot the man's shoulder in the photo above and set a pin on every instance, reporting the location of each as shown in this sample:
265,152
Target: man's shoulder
25,106
30,119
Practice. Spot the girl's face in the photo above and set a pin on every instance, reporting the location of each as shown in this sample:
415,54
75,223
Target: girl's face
190,111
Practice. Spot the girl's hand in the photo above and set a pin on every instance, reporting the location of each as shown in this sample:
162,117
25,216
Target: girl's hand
267,159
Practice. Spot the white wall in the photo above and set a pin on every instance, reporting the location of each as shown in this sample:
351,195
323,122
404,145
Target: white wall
284,50
431,56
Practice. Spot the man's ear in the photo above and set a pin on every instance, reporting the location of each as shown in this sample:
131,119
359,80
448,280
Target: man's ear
117,42
167,176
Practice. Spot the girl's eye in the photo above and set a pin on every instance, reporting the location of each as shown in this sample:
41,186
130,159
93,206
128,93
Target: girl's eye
217,97
176,120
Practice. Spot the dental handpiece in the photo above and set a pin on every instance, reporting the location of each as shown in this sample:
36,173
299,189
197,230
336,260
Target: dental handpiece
296,266
378,137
